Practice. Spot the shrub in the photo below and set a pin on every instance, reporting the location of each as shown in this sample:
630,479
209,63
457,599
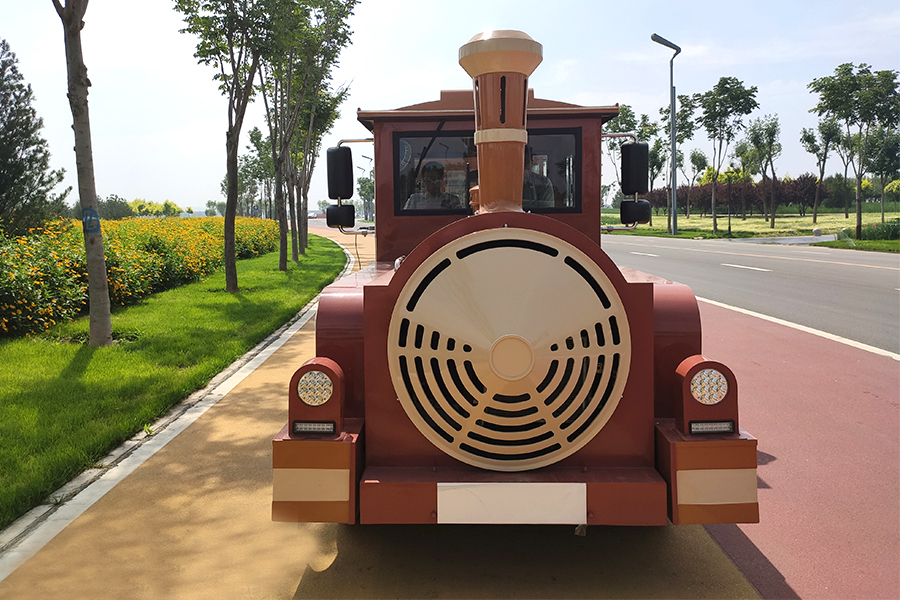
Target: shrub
44,273
882,231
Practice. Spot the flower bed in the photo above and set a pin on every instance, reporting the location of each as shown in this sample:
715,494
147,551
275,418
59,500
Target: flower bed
43,276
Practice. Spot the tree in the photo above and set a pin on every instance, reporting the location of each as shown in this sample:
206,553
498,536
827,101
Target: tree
802,192
322,115
248,188
233,36
722,110
260,167
860,100
309,38
114,208
26,181
884,158
624,122
685,126
72,16
829,133
213,208
763,136
366,187
748,159
699,164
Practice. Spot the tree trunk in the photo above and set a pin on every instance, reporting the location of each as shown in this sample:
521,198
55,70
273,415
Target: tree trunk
715,223
818,187
282,219
98,291
773,204
292,199
231,169
859,205
744,200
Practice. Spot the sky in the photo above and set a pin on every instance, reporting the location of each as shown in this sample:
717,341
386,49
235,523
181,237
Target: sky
158,120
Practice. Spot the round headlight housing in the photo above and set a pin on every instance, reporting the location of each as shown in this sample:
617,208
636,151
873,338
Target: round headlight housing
315,388
709,386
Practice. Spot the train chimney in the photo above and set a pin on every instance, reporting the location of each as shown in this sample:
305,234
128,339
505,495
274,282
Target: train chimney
500,63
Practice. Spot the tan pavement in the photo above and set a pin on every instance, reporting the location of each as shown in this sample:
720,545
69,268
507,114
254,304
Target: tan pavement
193,522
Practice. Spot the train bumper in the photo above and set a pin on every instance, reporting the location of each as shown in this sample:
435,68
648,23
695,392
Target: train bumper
711,479
314,478
612,496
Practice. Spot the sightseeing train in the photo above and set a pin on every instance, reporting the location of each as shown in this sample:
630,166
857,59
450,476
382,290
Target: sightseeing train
494,366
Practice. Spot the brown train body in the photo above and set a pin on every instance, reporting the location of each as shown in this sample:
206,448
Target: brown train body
498,367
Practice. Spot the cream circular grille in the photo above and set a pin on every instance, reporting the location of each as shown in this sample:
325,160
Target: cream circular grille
509,349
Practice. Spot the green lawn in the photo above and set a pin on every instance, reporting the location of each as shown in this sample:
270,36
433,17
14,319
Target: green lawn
65,404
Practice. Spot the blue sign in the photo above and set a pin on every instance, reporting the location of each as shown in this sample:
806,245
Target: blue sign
90,220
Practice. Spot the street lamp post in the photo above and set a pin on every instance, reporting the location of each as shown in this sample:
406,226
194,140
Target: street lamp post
672,180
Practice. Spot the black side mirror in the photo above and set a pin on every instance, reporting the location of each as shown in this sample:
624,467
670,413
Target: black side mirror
634,211
344,215
635,168
339,162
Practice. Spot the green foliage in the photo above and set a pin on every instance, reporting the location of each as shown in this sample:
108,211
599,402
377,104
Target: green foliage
248,188
366,187
147,208
44,279
882,231
114,208
26,180
722,110
893,189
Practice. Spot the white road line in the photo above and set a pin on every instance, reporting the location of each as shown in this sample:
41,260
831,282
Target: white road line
746,267
645,254
805,329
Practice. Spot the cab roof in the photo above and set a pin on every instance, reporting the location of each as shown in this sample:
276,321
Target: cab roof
461,104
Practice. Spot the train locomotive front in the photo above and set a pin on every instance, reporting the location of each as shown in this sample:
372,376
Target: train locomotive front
495,366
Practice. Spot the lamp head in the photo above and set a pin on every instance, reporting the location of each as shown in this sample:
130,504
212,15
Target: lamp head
661,40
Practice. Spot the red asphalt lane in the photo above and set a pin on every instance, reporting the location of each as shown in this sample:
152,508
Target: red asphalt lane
827,416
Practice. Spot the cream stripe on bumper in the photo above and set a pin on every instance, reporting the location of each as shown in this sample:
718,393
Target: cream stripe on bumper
512,503
311,485
717,486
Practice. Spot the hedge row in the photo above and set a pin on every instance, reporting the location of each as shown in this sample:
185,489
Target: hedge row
43,276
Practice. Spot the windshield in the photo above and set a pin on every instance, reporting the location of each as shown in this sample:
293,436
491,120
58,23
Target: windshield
433,171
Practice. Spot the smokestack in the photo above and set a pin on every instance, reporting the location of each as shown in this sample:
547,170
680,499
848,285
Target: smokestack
500,63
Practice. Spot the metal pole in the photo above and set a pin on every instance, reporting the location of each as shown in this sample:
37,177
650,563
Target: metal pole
673,183
673,179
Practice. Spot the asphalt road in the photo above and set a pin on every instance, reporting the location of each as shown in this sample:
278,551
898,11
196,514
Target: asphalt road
851,294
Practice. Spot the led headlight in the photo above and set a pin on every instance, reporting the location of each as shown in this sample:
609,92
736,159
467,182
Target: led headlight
315,388
709,387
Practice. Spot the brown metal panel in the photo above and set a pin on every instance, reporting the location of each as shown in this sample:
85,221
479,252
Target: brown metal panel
401,502
730,454
627,503
702,514
312,512
305,454
339,336
677,335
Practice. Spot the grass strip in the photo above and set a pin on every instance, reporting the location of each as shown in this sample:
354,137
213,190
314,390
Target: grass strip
698,226
64,404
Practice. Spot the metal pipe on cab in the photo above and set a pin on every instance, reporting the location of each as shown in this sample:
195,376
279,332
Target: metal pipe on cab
500,63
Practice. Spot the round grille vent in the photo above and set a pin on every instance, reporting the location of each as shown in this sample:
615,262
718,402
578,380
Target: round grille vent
509,349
